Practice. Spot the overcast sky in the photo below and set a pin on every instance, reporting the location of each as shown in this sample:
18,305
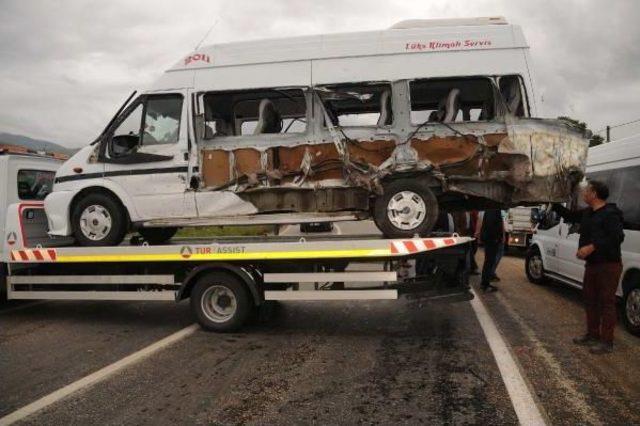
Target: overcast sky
66,66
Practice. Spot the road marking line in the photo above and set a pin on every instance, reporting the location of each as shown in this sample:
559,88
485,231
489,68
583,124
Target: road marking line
96,377
570,390
523,402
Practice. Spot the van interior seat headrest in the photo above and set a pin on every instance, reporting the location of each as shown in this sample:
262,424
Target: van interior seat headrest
269,119
386,112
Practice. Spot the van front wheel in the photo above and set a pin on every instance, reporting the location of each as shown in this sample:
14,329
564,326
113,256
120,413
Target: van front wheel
98,220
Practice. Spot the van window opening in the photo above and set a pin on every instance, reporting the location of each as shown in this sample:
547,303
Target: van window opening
624,191
358,105
514,95
34,184
451,100
254,112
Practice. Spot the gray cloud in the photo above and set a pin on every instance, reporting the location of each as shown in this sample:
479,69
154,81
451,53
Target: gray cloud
66,66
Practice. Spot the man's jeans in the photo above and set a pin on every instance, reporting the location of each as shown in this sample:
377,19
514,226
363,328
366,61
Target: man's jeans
599,289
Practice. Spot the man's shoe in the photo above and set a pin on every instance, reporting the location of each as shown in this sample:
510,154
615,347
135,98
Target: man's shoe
602,348
495,279
489,288
585,340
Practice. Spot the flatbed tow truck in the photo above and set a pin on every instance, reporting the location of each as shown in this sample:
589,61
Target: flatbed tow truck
229,278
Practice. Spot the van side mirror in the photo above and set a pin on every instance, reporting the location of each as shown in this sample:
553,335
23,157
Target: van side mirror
574,228
123,145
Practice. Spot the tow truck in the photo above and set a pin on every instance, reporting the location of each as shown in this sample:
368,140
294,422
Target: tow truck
228,279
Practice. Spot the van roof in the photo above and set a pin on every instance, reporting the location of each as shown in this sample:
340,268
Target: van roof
621,150
411,36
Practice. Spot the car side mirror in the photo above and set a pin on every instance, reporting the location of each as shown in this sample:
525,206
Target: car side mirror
123,145
574,228
536,217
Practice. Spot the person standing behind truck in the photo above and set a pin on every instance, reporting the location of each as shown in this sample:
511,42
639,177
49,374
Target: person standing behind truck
601,234
491,235
464,223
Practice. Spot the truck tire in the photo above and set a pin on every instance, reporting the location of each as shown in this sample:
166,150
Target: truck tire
155,236
534,267
407,207
98,220
631,309
220,302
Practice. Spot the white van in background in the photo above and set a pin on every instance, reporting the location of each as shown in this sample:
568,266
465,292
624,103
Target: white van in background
553,250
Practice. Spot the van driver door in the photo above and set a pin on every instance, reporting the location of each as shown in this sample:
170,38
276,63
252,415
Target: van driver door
147,157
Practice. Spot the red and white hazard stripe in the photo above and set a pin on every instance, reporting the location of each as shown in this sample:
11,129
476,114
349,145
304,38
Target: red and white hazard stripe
417,245
34,255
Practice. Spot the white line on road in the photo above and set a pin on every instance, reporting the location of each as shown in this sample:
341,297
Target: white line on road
96,377
523,402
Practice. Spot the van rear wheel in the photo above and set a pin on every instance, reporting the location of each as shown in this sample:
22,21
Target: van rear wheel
98,220
407,207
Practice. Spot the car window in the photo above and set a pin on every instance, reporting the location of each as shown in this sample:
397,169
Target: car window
34,184
162,120
254,112
361,104
450,100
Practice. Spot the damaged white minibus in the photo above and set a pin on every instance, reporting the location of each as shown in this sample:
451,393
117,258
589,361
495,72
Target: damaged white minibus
393,125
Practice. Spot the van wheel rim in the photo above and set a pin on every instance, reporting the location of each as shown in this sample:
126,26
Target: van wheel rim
406,210
632,307
95,222
535,267
219,304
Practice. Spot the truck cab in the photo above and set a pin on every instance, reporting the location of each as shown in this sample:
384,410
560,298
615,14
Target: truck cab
27,178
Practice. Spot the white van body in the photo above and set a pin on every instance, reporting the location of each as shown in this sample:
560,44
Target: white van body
224,178
618,165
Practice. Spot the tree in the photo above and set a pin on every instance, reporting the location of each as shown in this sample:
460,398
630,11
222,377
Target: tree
596,140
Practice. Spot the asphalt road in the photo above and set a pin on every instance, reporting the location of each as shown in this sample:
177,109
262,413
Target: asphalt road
377,362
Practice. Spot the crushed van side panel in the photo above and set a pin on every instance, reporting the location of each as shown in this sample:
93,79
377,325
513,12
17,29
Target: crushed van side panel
518,161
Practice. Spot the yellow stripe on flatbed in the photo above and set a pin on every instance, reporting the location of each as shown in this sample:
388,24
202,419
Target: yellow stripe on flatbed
177,257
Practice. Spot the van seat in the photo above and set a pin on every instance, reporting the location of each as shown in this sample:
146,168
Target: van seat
269,120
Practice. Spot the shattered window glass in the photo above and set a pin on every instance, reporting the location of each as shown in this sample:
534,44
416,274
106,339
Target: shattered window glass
162,120
363,104
450,100
255,112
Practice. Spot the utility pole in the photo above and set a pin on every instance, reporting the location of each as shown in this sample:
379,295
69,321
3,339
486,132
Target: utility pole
608,133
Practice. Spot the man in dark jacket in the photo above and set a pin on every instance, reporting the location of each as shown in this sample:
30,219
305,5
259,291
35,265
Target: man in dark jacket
601,234
491,235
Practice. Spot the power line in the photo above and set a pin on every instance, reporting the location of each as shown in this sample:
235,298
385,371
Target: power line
619,125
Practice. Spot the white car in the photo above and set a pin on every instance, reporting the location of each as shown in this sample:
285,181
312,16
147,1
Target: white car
552,254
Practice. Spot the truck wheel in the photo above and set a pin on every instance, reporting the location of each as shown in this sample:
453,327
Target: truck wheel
534,267
407,207
98,220
631,310
155,236
220,302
